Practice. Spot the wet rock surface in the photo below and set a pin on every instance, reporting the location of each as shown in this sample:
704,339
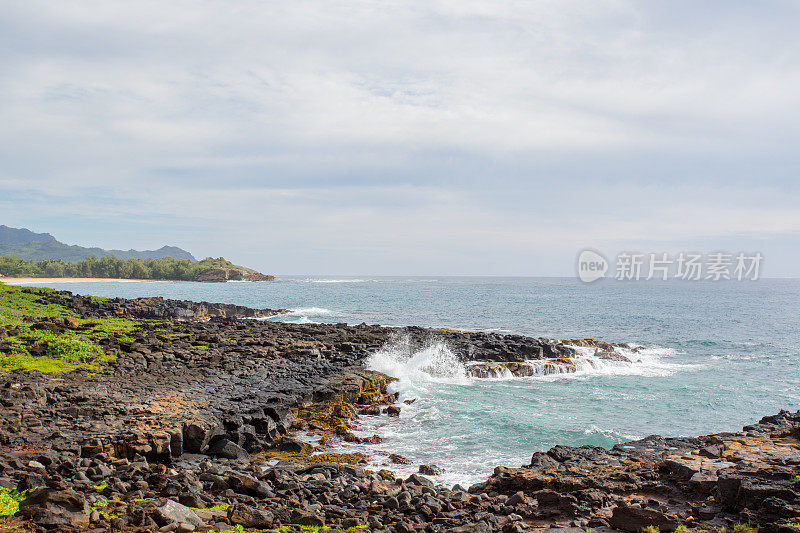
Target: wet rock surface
205,424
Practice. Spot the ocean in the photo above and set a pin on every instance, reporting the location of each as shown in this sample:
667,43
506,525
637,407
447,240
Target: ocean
715,356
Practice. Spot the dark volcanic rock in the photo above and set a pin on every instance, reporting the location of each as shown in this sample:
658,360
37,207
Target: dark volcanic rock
174,513
50,507
633,519
249,517
228,450
201,407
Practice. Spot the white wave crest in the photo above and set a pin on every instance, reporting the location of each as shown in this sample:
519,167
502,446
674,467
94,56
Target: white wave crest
303,315
639,361
319,311
435,362
323,280
610,433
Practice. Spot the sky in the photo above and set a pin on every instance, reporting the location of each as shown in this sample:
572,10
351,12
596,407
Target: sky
435,137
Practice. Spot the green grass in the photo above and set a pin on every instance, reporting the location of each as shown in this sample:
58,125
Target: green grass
744,528
238,528
649,529
43,365
101,486
220,507
9,501
27,348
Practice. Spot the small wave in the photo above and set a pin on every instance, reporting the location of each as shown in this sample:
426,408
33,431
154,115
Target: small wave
311,311
303,315
610,433
641,361
323,280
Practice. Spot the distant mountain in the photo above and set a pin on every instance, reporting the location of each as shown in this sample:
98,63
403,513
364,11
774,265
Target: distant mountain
22,236
31,246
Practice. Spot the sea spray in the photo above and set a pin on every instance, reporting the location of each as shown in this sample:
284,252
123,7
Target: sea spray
433,362
638,361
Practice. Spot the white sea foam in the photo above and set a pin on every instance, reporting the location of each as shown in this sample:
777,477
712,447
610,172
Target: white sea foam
324,280
646,362
434,362
303,315
610,433
311,311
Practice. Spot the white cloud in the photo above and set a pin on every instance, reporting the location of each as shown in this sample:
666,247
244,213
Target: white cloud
410,123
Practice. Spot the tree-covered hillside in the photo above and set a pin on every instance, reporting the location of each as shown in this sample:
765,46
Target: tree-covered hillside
31,246
219,269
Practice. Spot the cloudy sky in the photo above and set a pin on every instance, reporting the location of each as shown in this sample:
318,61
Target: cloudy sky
413,137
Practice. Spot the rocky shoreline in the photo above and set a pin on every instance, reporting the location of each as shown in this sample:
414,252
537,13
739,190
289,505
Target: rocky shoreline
195,425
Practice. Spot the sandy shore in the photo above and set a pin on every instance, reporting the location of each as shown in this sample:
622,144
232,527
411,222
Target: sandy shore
15,281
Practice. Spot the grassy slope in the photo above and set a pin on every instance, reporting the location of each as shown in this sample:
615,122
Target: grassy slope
23,346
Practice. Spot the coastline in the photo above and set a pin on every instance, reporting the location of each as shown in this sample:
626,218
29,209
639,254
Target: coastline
196,424
14,281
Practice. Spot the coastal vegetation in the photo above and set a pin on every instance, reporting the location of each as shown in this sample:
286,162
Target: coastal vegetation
165,268
9,501
38,333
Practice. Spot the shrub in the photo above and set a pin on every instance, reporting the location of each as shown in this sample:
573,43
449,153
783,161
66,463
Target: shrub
72,350
9,501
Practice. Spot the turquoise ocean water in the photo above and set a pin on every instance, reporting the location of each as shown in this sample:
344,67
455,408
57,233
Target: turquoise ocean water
716,356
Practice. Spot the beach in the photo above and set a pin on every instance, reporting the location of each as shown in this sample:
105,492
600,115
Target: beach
18,281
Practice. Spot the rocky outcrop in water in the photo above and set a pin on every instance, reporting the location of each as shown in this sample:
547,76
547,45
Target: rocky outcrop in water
484,346
563,365
220,275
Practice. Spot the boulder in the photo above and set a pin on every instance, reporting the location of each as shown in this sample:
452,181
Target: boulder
174,513
249,517
415,479
516,498
633,519
244,484
306,518
51,508
295,446
227,449
196,435
703,482
430,470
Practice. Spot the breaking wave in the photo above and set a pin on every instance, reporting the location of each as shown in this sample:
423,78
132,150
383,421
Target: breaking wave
304,315
436,362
